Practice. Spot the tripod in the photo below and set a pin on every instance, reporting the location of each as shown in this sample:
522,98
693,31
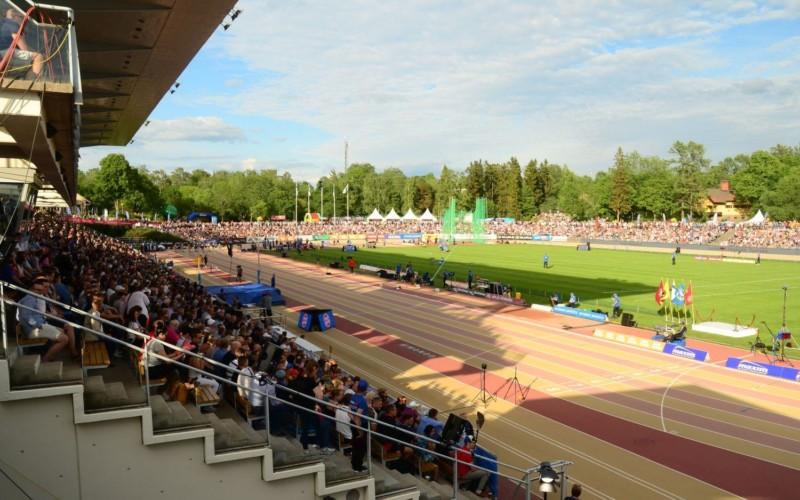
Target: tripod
483,395
760,346
513,384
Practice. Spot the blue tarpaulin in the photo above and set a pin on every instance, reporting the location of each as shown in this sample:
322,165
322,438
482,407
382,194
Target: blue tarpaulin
201,215
248,294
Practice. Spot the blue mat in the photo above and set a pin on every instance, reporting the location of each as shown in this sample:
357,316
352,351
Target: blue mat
247,294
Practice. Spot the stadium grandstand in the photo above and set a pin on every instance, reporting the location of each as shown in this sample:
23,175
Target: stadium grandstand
320,358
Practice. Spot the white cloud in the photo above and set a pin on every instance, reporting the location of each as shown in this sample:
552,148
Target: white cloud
191,129
424,83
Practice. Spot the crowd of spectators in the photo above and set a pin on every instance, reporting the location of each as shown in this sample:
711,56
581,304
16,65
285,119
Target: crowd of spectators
552,225
769,235
112,281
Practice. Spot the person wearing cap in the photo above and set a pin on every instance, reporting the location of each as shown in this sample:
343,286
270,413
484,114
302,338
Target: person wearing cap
34,323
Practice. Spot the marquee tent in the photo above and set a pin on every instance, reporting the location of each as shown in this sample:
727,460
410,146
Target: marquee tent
427,216
758,218
392,215
409,215
375,216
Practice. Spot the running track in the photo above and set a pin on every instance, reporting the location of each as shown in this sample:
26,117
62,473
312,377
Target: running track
718,434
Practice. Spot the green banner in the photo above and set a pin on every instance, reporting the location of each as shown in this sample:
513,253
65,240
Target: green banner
321,237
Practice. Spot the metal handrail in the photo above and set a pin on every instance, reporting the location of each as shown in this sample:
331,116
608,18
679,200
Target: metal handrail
268,398
228,368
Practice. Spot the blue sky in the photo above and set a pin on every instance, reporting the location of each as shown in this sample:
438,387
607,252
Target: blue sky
417,84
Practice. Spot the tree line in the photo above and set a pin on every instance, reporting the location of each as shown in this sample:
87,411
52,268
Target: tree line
633,186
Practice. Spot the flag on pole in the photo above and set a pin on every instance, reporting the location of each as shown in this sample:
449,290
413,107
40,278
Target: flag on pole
688,296
677,294
660,293
346,188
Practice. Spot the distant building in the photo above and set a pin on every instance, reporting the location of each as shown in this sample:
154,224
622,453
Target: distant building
722,202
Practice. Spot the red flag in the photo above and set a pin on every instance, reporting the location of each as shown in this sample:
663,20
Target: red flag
660,293
688,295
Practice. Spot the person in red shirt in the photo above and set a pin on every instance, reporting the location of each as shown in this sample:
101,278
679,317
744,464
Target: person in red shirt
466,473
351,263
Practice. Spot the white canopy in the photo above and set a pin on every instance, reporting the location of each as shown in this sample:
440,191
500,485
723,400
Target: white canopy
409,215
468,218
758,218
427,215
375,215
392,215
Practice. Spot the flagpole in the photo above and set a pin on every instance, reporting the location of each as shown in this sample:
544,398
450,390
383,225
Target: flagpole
296,194
334,203
308,203
347,180
321,201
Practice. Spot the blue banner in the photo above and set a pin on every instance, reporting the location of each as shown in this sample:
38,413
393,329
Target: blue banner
304,321
686,352
327,320
541,237
783,372
410,236
580,313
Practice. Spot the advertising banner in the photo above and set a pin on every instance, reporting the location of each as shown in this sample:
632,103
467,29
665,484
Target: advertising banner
541,237
686,352
410,236
580,313
277,218
783,372
321,237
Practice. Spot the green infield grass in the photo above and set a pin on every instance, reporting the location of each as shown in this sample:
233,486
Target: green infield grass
723,291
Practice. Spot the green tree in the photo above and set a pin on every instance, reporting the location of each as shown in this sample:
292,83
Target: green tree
758,176
621,188
781,203
690,165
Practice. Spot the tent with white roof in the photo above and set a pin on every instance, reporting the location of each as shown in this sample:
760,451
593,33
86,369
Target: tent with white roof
409,215
375,216
758,218
427,215
392,215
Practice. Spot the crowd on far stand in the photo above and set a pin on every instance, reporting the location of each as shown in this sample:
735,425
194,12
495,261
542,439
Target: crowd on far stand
112,281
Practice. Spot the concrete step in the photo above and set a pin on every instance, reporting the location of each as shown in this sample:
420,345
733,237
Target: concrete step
28,361
49,372
179,416
338,468
161,412
116,393
94,383
253,436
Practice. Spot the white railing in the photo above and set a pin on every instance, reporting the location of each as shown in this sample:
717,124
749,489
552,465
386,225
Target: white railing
529,475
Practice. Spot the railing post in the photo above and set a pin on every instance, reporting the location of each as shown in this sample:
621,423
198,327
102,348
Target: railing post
528,484
455,472
147,370
266,414
563,480
369,445
3,319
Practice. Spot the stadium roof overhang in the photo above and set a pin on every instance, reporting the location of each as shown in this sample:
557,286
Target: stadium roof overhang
131,52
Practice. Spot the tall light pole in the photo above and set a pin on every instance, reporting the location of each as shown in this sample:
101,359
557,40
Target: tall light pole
785,291
347,186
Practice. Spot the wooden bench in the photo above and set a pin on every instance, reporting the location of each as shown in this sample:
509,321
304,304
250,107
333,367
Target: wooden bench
95,356
379,452
24,342
154,382
205,396
244,406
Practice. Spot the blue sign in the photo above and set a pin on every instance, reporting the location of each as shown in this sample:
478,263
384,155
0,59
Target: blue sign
686,352
542,237
327,320
783,372
580,313
410,236
304,321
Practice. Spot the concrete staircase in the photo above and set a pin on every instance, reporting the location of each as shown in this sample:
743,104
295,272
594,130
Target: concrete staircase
26,379
30,371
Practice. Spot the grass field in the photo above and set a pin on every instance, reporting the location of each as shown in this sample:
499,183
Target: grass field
723,291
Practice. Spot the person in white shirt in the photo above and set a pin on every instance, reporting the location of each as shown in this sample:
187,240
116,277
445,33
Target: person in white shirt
344,419
138,298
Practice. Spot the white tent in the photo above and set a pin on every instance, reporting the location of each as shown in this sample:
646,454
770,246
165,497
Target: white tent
427,215
392,215
375,216
758,218
409,215
468,218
